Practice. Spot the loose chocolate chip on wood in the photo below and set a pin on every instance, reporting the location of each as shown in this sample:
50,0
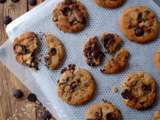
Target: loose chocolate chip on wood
2,1
7,20
18,94
139,31
32,2
32,97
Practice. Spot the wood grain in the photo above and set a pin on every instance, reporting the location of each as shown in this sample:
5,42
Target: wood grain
8,82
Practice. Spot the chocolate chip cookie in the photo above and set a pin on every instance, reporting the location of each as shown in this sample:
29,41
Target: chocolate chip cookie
70,16
110,3
92,52
156,115
156,59
111,42
139,90
139,24
55,52
102,111
75,86
117,63
25,47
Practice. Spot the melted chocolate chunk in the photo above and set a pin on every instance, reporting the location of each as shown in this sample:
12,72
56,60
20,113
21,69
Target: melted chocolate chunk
66,11
139,31
63,70
126,94
53,51
146,88
110,116
99,115
140,17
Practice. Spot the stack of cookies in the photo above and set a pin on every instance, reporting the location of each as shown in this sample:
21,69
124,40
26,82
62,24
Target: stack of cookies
76,86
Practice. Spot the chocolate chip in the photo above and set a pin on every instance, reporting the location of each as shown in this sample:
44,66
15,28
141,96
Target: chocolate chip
32,97
63,70
73,86
15,1
126,94
71,66
110,116
18,94
2,1
7,20
146,88
66,11
102,70
32,2
99,115
139,31
140,17
46,115
53,51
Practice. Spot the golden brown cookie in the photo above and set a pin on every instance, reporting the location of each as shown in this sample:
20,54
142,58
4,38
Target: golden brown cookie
156,59
111,42
25,47
55,51
70,16
75,86
139,90
139,24
92,52
156,115
102,111
117,63
109,3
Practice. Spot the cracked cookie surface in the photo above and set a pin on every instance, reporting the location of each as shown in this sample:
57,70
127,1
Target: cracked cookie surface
139,24
111,42
117,63
102,111
109,3
70,16
55,53
25,47
139,90
75,86
92,52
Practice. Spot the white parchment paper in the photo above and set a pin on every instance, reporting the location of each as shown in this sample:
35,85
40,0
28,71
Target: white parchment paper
43,82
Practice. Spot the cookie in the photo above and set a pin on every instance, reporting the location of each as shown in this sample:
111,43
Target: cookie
25,47
75,86
117,63
70,16
92,52
102,111
139,90
156,115
55,52
139,24
109,3
156,59
111,42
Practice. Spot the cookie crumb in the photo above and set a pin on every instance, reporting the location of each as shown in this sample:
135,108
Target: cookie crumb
115,89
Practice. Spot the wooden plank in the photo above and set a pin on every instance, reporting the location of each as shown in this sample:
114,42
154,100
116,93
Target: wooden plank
8,82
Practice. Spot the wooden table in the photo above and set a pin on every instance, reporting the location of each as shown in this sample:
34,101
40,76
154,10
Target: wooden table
8,82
